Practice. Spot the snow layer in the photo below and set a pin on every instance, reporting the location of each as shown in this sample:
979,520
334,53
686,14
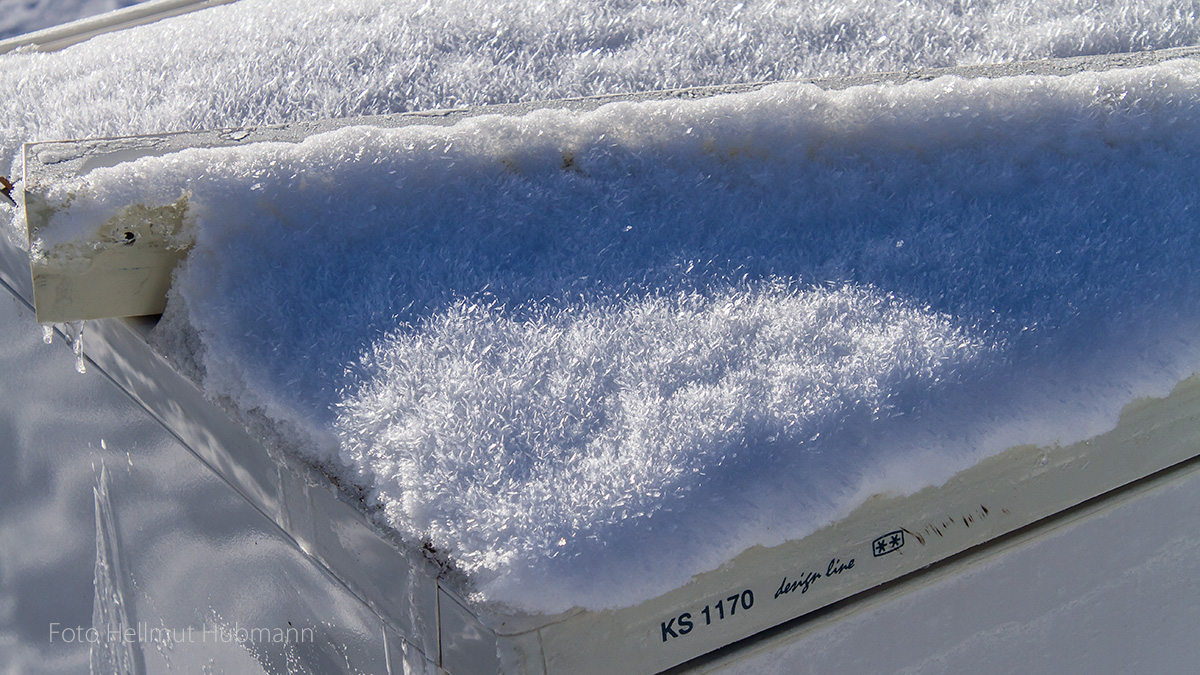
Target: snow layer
268,61
587,356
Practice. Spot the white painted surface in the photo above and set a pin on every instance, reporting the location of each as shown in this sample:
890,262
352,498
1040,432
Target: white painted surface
18,17
1113,593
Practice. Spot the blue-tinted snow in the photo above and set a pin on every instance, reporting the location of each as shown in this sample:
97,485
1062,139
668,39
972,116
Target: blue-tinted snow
562,346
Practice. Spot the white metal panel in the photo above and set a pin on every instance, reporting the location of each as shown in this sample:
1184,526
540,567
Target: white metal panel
1106,587
67,34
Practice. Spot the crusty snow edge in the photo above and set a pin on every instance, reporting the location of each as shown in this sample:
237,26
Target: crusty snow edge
557,346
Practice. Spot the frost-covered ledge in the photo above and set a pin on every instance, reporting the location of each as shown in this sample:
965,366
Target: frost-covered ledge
883,539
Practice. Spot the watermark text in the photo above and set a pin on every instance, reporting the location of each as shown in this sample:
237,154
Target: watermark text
208,633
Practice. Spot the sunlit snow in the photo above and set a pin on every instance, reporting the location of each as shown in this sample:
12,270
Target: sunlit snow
554,347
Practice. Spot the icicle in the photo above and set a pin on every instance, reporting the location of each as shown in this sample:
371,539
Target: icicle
75,337
110,653
48,333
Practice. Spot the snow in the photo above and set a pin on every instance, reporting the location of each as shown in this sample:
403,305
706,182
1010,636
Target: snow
556,346
268,61
552,346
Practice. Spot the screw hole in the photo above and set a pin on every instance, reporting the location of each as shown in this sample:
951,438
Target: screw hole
130,237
